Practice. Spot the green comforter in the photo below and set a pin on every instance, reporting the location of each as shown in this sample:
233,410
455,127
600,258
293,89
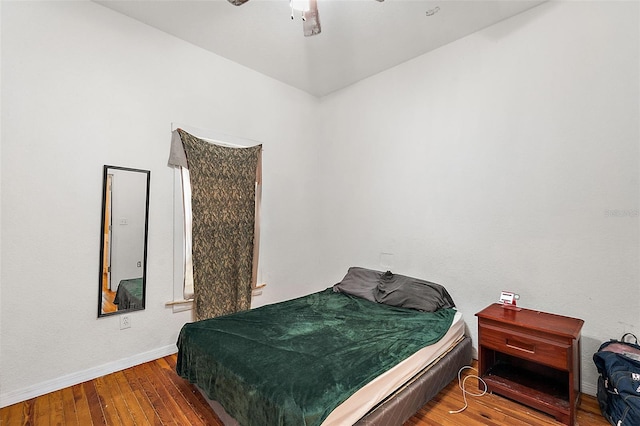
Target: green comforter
129,294
293,362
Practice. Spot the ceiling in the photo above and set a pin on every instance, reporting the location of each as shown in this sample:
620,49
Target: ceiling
359,38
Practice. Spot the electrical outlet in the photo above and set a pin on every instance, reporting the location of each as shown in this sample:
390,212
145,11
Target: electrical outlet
125,322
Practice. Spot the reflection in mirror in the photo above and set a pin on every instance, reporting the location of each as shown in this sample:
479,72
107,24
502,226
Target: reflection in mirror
123,235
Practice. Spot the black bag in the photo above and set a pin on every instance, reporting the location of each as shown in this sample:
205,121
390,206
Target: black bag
618,363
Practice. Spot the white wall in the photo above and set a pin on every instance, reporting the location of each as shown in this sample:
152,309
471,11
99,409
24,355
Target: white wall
83,86
507,160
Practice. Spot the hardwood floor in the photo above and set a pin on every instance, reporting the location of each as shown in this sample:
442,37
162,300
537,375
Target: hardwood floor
153,394
108,297
492,409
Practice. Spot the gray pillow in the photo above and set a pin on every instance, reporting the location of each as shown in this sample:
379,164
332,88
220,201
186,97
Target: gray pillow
407,292
360,282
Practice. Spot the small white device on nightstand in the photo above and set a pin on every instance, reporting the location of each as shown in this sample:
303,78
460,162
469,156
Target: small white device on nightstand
508,300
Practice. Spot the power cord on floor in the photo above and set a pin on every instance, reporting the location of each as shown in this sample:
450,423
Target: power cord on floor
461,385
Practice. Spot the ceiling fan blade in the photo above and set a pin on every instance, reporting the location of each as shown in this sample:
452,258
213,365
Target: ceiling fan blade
241,2
311,22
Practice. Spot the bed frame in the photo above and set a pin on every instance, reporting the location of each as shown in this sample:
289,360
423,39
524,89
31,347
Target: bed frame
408,399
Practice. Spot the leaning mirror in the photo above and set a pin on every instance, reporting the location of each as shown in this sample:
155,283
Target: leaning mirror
123,240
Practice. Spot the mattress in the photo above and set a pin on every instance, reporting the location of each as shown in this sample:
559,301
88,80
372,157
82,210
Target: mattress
369,396
358,404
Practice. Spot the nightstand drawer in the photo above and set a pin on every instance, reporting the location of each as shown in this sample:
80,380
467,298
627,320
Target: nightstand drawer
525,346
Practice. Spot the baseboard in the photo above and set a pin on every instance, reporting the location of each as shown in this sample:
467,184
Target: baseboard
589,389
45,387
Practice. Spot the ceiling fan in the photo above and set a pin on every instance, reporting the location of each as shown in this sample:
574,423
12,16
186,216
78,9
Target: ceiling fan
308,10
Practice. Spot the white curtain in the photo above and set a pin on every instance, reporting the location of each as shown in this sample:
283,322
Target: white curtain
178,159
188,219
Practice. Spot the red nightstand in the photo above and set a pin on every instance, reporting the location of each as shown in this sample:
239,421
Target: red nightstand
531,357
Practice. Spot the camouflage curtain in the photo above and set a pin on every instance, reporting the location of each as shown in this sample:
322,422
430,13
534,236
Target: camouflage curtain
223,186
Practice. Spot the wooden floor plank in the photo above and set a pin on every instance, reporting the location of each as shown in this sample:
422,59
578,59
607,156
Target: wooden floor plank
173,398
69,407
56,415
93,401
172,360
13,414
177,396
118,401
143,401
80,401
29,412
42,411
149,389
191,395
106,402
164,394
130,399
153,394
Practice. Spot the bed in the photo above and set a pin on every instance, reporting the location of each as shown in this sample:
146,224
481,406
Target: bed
372,349
129,294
